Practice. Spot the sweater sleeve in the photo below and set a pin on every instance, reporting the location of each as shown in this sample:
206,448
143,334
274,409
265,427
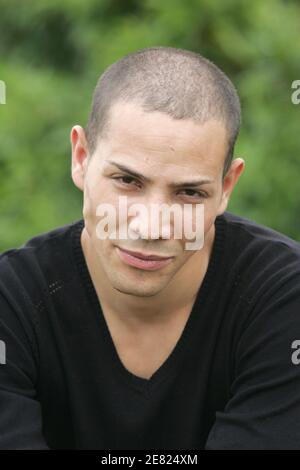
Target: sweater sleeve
20,411
263,411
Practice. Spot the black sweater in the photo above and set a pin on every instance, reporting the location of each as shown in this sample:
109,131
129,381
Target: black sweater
232,380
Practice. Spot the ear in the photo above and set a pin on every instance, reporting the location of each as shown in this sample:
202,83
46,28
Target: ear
236,168
80,156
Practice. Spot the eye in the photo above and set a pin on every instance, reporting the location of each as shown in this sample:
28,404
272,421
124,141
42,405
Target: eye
193,193
126,179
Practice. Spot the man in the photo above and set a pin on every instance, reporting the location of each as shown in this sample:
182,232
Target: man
137,342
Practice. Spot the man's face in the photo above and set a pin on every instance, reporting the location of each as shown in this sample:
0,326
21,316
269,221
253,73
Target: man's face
166,153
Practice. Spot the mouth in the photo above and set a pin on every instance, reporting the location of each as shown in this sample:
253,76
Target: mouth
142,260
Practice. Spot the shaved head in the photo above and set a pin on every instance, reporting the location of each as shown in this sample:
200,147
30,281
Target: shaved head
177,82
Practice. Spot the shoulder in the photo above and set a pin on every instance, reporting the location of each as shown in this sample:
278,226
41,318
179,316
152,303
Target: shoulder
33,269
259,254
263,278
40,246
252,231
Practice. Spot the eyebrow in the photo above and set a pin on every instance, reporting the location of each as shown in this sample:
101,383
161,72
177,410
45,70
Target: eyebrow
131,172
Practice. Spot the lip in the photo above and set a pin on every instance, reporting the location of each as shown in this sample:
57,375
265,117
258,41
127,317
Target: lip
142,261
136,254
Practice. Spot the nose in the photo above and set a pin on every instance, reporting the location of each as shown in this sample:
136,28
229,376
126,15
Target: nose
147,221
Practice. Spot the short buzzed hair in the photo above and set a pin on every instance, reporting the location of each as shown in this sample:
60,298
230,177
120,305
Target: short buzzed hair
180,83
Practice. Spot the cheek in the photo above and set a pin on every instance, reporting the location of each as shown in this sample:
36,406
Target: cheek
198,230
195,223
95,194
103,247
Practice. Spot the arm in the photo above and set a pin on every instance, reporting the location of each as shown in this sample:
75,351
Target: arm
263,411
20,412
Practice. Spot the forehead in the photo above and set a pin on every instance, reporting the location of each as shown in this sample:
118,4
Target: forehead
154,137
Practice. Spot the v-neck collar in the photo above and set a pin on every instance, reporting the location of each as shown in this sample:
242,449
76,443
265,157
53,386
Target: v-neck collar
167,367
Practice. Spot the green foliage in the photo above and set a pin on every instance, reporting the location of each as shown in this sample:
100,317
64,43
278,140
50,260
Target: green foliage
52,53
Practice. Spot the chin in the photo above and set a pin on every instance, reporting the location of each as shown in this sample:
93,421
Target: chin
142,290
